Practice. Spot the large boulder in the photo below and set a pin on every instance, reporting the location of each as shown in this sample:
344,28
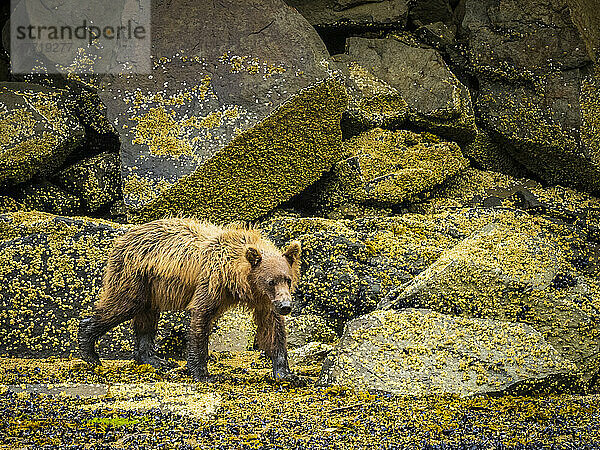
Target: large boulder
385,168
538,88
51,269
420,352
396,77
238,115
520,39
37,131
518,268
550,128
378,14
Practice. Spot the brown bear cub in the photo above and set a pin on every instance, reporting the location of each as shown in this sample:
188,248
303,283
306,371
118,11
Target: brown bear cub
180,263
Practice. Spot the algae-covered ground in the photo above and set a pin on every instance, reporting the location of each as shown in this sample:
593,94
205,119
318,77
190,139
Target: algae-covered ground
244,408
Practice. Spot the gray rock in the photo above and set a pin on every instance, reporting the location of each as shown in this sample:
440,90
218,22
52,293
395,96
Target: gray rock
551,128
388,168
421,352
308,328
519,39
379,14
37,133
517,268
398,69
96,180
239,114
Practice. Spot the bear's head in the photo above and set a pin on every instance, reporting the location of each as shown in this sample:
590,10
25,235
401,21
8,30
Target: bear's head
275,275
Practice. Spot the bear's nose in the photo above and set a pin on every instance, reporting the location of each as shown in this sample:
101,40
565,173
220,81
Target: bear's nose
285,310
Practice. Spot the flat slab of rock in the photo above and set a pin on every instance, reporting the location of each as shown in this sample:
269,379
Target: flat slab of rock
420,352
517,268
37,131
396,79
239,114
168,397
353,13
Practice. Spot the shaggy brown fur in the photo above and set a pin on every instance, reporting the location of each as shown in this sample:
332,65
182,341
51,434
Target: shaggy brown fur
180,263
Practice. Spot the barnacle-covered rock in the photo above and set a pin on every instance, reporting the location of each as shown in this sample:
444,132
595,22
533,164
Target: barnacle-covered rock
47,197
397,79
307,328
550,128
96,180
385,168
353,14
539,90
237,116
51,269
518,268
348,266
487,154
37,131
420,352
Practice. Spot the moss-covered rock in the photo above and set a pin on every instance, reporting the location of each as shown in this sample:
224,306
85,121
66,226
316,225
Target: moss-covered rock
47,197
96,180
387,76
518,268
238,115
353,14
51,269
37,131
550,128
420,353
385,168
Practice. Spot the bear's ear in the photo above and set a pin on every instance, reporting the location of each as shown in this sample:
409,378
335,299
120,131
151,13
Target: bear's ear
253,256
292,254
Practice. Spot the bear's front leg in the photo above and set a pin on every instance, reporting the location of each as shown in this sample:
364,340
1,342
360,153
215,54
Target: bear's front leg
197,360
271,337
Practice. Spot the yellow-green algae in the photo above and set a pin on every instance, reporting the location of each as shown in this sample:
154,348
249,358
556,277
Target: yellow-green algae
422,352
37,131
255,413
511,270
385,168
96,180
264,166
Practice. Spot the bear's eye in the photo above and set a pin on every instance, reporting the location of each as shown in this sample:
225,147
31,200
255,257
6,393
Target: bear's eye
288,281
271,282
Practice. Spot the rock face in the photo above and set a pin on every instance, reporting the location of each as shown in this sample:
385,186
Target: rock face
51,269
353,13
420,352
96,180
348,266
238,115
386,168
37,131
517,268
538,89
386,74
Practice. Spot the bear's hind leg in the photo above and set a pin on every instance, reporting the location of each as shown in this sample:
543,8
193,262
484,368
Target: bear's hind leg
145,324
114,309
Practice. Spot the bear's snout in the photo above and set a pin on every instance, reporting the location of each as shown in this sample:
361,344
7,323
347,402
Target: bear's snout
283,306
